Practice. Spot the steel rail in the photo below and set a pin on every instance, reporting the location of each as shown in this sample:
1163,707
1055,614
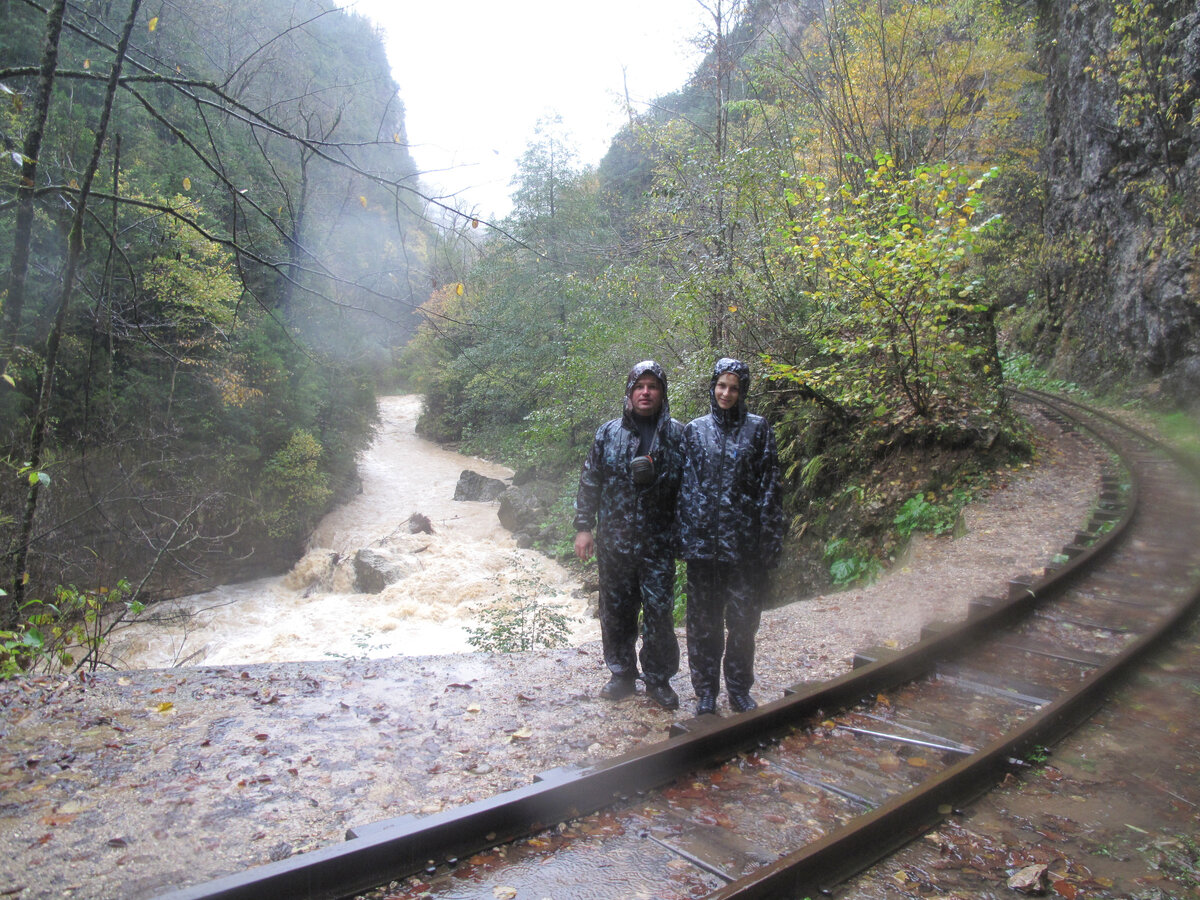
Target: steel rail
396,848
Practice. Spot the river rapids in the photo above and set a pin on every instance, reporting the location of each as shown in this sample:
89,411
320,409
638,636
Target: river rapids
466,565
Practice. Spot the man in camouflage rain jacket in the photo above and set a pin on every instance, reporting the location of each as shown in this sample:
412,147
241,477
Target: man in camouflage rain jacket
627,493
730,532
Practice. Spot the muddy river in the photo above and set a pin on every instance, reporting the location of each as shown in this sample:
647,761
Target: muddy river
447,578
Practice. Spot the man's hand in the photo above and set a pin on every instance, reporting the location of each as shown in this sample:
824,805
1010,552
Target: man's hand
585,548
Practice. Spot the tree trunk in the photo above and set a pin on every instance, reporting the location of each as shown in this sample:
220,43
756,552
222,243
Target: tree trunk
14,303
74,250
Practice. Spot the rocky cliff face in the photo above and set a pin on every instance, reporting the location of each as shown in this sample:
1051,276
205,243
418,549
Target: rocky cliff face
1123,164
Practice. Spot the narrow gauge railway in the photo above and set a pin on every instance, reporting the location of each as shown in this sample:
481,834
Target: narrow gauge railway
793,798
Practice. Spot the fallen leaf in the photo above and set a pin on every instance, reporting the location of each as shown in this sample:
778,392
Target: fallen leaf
889,762
1030,880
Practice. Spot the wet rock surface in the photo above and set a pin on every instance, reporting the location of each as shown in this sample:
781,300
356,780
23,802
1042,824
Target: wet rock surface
129,784
473,486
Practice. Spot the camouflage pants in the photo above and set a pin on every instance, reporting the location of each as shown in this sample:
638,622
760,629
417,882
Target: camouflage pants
629,585
722,599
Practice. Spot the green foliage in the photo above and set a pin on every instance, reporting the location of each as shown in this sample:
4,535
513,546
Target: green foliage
67,633
295,489
849,565
1021,370
917,513
899,331
1154,90
1183,431
522,622
1037,755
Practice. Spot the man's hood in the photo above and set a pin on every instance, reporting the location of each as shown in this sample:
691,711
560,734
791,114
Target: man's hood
646,365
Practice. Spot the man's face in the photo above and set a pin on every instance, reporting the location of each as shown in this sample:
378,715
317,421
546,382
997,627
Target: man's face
726,390
646,395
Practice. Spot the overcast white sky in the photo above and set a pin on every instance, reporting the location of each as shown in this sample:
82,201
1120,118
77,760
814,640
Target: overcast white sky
476,75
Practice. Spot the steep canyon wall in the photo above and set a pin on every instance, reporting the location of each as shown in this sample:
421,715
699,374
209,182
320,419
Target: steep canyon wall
1122,160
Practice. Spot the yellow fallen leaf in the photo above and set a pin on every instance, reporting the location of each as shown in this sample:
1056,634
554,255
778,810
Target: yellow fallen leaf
363,200
154,24
165,706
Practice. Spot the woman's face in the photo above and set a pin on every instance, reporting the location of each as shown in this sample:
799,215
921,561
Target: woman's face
726,390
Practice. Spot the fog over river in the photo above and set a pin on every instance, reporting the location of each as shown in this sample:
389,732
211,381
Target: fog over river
468,563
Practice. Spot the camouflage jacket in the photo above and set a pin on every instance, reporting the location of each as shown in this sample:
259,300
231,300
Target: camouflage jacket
730,507
627,518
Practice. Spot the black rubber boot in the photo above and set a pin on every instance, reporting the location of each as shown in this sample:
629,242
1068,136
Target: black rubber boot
741,702
662,694
618,688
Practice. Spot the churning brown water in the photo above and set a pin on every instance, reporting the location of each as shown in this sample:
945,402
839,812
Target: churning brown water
468,563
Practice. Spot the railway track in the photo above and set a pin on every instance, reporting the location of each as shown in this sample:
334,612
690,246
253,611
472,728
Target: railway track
797,796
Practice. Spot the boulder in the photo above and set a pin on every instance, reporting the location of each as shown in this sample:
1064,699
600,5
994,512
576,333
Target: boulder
473,486
524,506
376,569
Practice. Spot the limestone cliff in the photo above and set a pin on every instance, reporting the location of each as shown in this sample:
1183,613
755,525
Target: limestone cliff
1122,160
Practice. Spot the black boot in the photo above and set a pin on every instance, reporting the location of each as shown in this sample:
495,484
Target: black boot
706,705
741,701
618,688
662,694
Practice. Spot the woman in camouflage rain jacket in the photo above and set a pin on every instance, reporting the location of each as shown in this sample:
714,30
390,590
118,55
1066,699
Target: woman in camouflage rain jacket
627,492
730,532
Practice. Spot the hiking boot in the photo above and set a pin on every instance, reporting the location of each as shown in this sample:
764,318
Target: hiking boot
662,694
741,702
706,705
618,688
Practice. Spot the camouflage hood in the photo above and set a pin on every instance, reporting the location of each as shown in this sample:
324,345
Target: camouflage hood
664,414
742,371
